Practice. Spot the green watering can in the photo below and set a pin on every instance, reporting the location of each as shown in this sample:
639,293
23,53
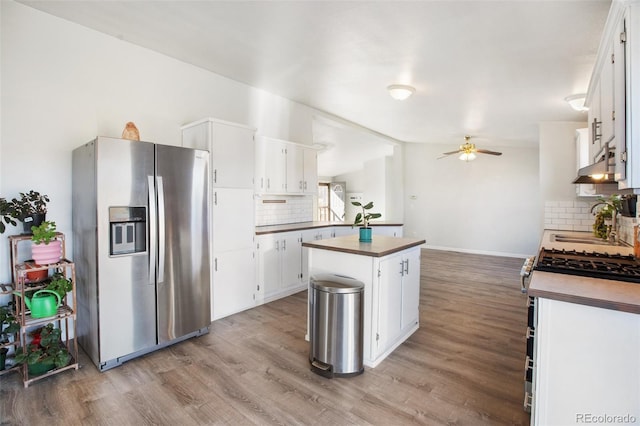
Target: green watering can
42,305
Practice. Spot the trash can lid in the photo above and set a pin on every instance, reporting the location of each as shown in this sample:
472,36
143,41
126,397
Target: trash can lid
331,283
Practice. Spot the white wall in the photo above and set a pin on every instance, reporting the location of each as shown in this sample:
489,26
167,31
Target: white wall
489,205
557,160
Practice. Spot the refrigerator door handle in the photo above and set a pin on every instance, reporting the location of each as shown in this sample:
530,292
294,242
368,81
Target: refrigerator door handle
152,230
161,230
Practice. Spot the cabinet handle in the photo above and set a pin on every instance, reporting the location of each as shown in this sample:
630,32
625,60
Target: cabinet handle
277,245
402,268
528,400
300,185
406,269
261,183
268,183
215,198
284,244
215,264
305,185
215,175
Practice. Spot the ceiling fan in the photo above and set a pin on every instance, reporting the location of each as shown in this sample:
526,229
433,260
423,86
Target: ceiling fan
468,151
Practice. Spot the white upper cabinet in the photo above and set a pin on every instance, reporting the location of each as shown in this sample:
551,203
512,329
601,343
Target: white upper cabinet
614,94
232,150
285,167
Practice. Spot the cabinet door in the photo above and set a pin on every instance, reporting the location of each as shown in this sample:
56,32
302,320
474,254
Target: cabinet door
389,301
411,289
233,282
295,176
310,170
275,167
233,219
606,98
269,276
340,231
391,231
291,253
619,98
232,156
595,124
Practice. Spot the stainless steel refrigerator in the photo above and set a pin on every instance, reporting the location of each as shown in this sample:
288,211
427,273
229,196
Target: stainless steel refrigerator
140,246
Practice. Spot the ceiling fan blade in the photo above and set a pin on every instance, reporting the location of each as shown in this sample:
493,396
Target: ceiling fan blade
446,154
486,151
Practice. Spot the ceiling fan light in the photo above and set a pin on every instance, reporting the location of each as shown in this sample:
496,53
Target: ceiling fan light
467,156
577,102
400,92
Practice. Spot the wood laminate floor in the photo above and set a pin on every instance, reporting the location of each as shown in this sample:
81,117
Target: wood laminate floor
463,366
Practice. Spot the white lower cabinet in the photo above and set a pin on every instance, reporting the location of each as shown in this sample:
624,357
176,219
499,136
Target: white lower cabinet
279,264
391,231
587,365
234,288
399,297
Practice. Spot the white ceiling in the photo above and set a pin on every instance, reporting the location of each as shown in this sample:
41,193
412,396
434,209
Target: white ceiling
491,69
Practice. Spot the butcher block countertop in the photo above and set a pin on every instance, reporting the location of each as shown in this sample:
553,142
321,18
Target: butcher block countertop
301,226
380,246
600,293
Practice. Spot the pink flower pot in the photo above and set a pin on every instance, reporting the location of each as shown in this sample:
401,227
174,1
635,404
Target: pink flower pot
44,254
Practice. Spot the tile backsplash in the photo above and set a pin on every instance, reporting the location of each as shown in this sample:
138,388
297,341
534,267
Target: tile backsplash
568,215
577,216
283,209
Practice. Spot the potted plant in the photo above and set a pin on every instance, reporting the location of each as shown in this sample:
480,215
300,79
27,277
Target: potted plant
45,352
604,216
30,209
46,248
7,214
363,219
60,284
8,327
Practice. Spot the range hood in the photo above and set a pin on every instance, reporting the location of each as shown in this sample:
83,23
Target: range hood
600,172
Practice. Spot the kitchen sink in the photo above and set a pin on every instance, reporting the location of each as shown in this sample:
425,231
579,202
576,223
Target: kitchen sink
562,238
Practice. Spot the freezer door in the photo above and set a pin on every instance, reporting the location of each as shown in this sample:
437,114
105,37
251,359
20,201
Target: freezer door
126,290
184,298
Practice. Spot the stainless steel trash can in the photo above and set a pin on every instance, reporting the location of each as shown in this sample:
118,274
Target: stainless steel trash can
336,329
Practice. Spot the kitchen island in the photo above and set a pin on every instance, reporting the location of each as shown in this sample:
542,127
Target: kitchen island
586,358
389,267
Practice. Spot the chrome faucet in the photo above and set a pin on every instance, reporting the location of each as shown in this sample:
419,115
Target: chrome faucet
613,232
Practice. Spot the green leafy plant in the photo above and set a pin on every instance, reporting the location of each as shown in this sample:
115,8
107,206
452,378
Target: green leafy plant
8,323
364,217
7,214
28,204
45,348
60,284
44,233
610,206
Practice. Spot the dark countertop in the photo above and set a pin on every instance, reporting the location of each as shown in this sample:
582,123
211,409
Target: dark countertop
301,226
381,245
600,293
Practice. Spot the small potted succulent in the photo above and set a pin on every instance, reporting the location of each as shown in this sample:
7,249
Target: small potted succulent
46,248
363,220
45,352
30,209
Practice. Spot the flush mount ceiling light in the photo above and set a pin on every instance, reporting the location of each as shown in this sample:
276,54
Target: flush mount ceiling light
400,91
577,102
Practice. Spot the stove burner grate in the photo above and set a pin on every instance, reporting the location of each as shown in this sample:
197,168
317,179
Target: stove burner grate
589,264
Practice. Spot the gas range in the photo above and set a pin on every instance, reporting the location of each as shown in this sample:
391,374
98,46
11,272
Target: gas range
589,264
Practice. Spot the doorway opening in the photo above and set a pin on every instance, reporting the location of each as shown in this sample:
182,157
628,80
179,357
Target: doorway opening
331,196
